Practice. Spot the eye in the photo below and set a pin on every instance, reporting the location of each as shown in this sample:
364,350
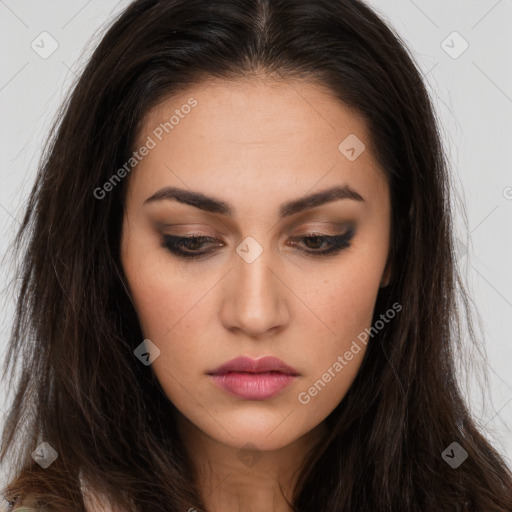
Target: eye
175,244
332,244
317,244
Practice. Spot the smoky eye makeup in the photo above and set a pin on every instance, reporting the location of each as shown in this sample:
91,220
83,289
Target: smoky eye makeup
314,243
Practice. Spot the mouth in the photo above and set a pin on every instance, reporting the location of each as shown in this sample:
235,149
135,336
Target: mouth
247,365
253,379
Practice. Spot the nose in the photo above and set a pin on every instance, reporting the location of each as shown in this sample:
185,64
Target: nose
255,297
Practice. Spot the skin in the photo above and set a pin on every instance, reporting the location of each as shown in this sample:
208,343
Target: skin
254,143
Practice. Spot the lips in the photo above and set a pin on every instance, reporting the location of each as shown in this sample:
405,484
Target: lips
253,379
262,365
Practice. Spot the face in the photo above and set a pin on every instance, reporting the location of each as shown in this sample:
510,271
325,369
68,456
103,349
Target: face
276,274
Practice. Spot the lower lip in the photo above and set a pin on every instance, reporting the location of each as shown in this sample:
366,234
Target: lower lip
253,386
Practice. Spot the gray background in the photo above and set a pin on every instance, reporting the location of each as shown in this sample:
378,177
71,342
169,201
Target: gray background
472,91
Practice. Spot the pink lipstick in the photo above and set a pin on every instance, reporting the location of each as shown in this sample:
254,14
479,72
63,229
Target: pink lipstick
253,379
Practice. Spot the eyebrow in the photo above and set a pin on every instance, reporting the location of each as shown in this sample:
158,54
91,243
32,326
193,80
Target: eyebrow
214,205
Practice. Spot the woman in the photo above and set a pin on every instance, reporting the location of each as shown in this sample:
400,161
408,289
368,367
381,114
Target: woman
238,289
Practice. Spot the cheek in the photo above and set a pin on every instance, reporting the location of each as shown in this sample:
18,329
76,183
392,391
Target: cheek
334,344
161,295
342,305
172,309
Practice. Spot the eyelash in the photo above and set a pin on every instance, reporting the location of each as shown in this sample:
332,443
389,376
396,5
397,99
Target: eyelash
337,244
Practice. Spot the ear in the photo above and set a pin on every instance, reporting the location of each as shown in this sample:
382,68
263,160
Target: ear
386,275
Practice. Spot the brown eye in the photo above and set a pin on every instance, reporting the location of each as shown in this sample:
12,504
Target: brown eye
192,244
334,243
315,244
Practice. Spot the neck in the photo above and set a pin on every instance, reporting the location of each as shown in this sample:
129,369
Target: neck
236,479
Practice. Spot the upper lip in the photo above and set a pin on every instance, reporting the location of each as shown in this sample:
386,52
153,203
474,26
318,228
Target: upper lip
246,364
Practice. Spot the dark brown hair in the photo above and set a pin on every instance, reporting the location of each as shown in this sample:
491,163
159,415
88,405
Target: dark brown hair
82,390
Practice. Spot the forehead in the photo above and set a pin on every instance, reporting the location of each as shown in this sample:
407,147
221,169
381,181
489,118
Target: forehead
259,111
255,136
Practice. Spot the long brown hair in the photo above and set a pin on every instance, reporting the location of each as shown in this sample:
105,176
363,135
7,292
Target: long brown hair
82,390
